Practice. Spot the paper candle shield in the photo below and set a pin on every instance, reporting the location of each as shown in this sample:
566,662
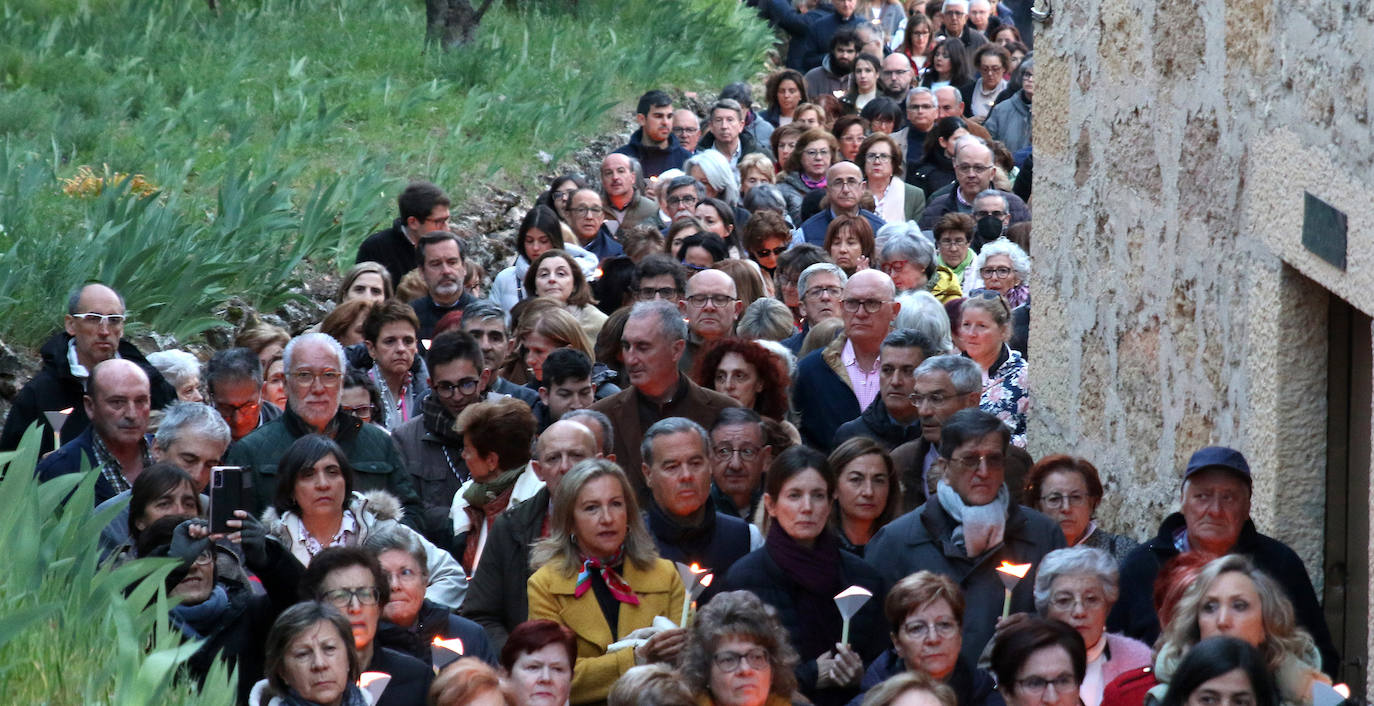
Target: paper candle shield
57,418
374,683
1326,695
445,652
1011,574
849,601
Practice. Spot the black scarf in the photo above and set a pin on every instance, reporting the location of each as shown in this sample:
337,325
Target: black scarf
693,540
816,571
439,422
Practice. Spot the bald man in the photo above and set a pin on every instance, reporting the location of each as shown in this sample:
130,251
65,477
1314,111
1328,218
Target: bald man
711,307
496,598
844,186
625,206
92,333
116,441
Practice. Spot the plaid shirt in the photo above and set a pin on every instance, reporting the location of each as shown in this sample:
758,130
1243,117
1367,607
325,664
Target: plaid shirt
110,467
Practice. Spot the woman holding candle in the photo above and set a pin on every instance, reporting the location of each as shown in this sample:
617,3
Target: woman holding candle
799,571
411,623
600,575
925,612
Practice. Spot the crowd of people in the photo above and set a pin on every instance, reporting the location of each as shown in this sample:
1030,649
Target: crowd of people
784,344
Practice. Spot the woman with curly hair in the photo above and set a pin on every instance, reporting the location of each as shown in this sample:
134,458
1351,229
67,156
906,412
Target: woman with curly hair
746,372
736,654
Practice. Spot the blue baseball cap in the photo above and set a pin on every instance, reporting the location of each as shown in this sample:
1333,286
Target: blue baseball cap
1218,457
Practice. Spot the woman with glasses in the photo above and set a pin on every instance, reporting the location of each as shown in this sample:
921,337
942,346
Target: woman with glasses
1038,662
351,580
925,614
882,163
766,237
868,494
916,41
736,654
1067,489
1078,587
314,508
806,167
559,196
984,329
993,63
801,568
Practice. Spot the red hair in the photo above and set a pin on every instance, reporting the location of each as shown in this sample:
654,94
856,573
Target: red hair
772,399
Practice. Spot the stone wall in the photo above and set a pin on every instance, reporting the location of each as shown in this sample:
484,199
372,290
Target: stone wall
1175,305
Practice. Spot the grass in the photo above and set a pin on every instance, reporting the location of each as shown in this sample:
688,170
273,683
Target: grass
73,631
282,129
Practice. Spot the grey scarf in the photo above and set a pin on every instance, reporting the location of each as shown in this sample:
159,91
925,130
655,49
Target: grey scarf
979,527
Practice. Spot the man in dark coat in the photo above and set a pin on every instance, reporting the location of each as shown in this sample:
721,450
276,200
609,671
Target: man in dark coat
654,144
314,373
441,256
680,515
818,34
424,208
969,528
654,339
945,384
496,598
973,169
739,455
94,326
891,419
1214,518
844,186
726,134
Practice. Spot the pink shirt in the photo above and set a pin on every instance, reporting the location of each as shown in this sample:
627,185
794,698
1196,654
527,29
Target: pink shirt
865,382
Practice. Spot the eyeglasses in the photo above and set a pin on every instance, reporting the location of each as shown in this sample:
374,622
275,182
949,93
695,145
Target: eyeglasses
1037,684
921,630
994,214
585,210
746,453
991,69
878,157
846,184
467,386
680,131
896,72
564,194
1066,601
1057,500
815,154
204,559
90,317
869,305
234,411
730,661
688,200
972,168
935,398
342,597
306,378
951,242
998,272
972,463
648,294
361,411
832,292
766,252
895,266
717,300
921,106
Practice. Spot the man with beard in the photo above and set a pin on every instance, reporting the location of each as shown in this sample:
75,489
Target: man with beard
819,34
441,264
833,72
654,144
895,79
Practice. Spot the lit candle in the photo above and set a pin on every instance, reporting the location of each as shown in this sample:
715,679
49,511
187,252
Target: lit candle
57,419
1011,575
695,579
445,652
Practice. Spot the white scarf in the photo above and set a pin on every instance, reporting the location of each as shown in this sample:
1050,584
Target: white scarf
979,527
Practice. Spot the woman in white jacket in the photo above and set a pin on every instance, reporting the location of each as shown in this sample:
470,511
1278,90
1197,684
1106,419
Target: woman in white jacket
540,231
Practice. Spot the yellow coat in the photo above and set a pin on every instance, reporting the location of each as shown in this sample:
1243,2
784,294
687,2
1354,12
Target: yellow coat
660,592
946,285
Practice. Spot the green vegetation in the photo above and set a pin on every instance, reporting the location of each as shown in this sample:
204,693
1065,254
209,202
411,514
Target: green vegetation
281,130
69,632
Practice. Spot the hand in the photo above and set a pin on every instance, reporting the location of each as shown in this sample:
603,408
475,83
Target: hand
252,536
863,263
839,667
664,646
977,119
198,529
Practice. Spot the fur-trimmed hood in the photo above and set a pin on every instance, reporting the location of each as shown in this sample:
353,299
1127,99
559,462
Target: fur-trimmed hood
368,508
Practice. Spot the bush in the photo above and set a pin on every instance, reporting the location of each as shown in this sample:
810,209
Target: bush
281,130
73,631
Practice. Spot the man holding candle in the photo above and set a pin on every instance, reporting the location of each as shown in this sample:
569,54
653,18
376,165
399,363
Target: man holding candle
969,527
680,515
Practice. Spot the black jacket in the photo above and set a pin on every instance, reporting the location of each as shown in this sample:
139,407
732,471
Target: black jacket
430,312
410,678
972,686
717,543
747,145
435,621
54,388
875,423
758,573
1134,613
497,597
931,175
392,249
654,159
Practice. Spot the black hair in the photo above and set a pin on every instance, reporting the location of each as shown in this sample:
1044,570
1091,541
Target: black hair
799,257
435,237
941,130
882,107
335,558
739,92
1214,657
232,365
355,378
657,265
563,364
844,35
792,463
652,99
708,241
546,220
968,424
419,199
734,416
909,338
303,454
613,288
154,482
1016,641
455,345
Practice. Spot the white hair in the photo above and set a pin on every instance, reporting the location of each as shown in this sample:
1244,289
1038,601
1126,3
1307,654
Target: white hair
718,173
922,312
323,339
180,366
1020,261
779,350
1076,561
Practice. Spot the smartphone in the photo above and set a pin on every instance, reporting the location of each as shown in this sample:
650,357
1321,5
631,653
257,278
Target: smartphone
229,488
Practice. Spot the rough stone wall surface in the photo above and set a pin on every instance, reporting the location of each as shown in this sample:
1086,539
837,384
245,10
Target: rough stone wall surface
1175,305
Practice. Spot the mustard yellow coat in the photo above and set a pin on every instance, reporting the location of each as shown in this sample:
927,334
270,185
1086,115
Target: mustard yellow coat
660,592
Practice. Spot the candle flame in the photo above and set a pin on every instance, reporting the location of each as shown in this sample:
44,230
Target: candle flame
1017,570
366,678
706,580
454,645
67,410
1343,690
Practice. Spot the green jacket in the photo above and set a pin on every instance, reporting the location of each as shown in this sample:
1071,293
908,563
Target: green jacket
376,462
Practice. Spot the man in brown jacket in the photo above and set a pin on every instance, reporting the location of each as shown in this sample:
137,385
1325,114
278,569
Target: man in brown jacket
654,339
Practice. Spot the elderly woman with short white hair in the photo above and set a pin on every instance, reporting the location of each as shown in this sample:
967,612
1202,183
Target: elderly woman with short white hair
181,369
908,257
1078,586
713,170
1005,268
922,312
